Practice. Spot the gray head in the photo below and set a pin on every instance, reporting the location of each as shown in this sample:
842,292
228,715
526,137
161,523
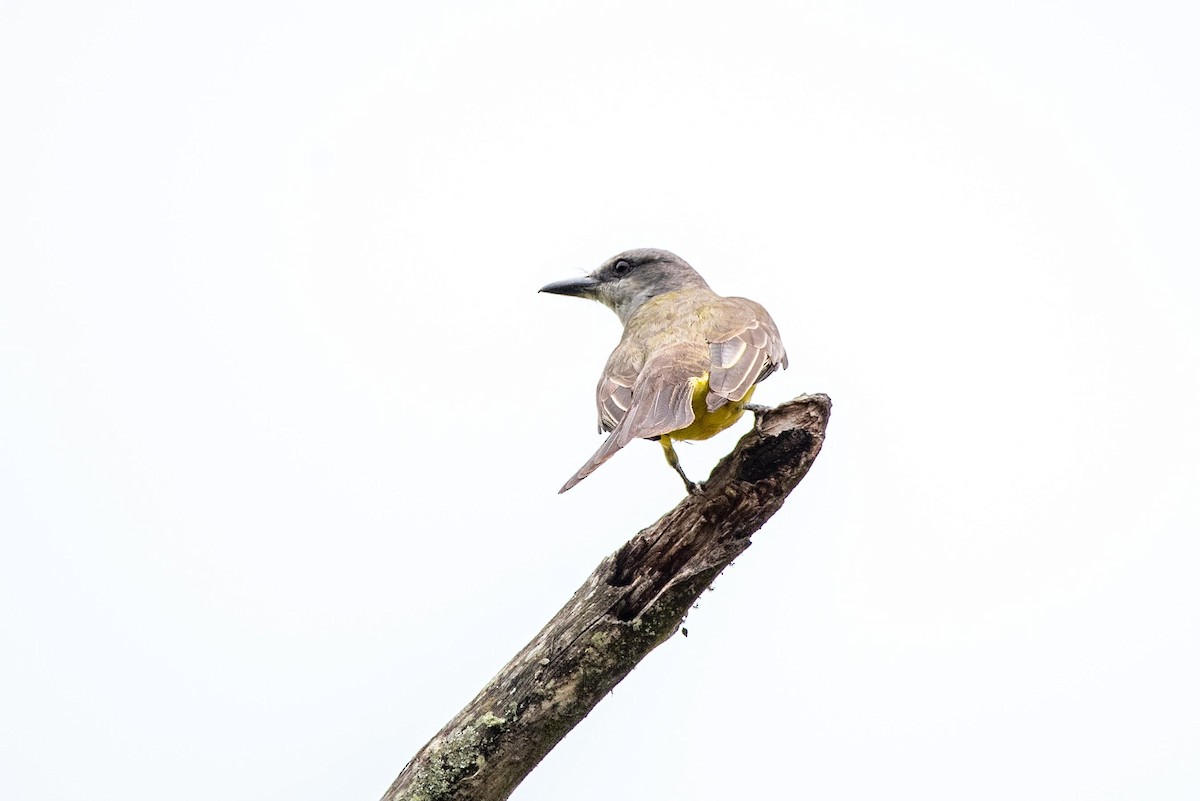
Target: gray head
629,279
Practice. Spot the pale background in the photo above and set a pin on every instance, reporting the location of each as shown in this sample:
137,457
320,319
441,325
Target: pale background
282,416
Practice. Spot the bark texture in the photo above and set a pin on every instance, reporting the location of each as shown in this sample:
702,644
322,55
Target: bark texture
630,604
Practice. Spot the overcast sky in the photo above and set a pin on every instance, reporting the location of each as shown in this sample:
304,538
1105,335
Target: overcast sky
282,417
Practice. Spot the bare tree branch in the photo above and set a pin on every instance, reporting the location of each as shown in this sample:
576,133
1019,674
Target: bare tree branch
631,603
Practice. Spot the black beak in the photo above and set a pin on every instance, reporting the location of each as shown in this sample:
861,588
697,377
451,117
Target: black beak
583,287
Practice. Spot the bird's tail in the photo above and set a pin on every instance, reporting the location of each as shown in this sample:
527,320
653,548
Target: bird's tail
619,438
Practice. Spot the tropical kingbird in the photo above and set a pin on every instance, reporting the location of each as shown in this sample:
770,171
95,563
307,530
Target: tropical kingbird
688,359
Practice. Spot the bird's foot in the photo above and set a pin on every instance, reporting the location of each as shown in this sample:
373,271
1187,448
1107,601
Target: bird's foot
757,408
693,488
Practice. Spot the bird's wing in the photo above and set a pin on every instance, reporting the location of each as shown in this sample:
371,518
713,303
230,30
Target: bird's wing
745,348
614,393
660,402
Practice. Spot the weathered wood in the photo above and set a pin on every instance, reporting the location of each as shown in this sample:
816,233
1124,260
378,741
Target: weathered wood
631,603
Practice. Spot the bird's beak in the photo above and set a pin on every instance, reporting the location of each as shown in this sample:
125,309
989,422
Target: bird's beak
583,287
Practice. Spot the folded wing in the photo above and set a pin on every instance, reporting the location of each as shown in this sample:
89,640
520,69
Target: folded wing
660,401
744,346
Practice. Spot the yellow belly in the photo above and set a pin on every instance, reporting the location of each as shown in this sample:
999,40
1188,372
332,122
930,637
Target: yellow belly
709,423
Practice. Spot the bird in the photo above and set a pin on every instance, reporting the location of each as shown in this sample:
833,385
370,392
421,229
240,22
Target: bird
688,360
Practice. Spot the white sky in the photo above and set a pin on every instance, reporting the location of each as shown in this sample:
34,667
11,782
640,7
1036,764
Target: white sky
282,416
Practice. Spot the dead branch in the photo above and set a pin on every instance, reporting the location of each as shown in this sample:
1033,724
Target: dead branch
631,603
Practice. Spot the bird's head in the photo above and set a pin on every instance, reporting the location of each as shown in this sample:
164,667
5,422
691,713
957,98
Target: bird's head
629,279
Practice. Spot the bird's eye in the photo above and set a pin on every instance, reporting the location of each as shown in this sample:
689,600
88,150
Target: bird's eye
622,267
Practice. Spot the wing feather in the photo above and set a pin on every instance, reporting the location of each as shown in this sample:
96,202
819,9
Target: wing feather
613,399
614,393
661,403
745,347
